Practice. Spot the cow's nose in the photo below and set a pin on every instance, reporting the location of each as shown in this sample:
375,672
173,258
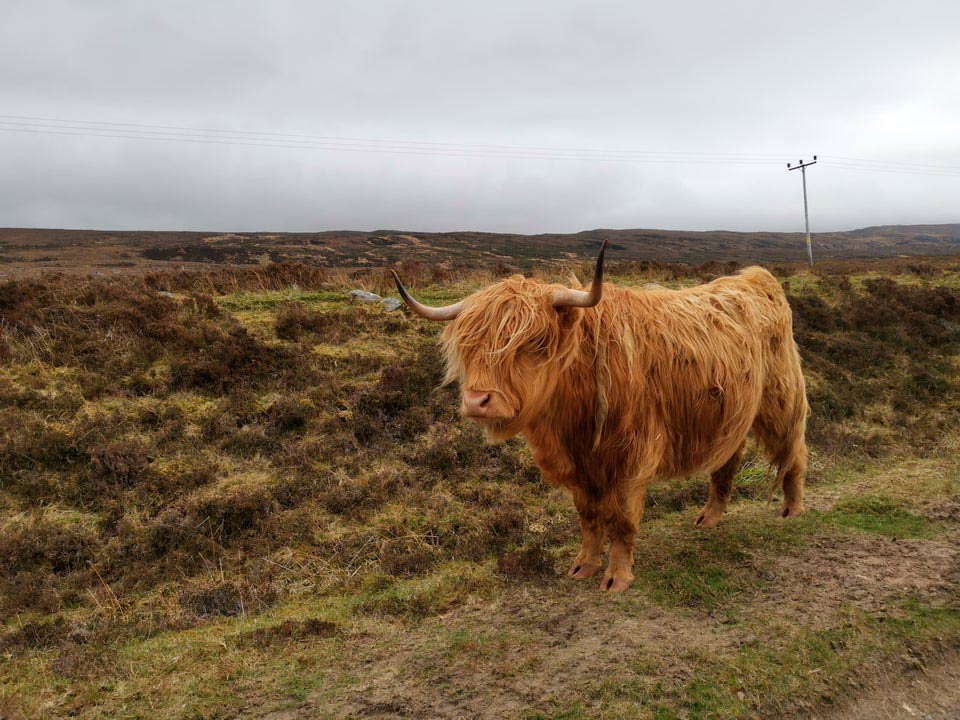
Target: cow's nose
476,404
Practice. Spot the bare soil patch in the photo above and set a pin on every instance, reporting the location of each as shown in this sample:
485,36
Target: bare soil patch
931,693
538,647
864,572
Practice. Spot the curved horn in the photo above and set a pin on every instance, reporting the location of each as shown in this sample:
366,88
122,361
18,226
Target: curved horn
447,312
583,298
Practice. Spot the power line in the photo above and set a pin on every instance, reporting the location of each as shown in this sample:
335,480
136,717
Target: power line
877,171
174,137
98,125
887,170
265,139
891,162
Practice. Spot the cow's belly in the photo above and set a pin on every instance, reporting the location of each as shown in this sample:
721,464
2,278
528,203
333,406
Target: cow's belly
706,430
707,459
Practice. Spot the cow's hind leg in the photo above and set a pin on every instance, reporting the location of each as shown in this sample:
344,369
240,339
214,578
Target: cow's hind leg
780,426
588,560
791,479
789,454
721,484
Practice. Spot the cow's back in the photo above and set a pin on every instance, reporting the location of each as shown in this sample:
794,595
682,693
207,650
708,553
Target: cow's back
701,359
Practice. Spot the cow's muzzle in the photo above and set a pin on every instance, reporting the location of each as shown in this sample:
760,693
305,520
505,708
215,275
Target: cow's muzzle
484,405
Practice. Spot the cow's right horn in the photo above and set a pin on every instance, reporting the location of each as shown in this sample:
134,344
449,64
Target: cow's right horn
447,312
583,298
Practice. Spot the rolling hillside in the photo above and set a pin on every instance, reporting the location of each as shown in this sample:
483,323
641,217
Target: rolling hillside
28,251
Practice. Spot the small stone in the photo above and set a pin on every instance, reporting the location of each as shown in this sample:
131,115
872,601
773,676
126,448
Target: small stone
364,296
391,304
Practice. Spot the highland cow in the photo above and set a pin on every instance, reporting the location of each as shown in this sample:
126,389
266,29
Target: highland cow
615,387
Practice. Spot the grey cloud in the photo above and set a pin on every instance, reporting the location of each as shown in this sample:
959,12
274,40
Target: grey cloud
875,80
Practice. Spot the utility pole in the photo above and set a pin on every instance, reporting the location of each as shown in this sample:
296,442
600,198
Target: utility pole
806,216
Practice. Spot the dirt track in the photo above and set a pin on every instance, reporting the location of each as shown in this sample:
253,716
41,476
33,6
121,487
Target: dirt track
538,646
929,694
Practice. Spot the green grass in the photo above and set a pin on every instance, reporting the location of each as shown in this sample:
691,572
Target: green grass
239,302
574,711
879,515
680,565
691,577
424,596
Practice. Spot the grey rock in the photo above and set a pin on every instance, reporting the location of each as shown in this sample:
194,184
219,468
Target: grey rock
391,304
364,296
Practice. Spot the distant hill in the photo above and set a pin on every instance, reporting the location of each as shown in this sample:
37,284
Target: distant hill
26,251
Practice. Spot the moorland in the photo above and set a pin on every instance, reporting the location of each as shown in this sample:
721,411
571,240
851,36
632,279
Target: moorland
233,492
29,251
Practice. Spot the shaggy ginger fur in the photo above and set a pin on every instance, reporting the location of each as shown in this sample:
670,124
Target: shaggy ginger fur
650,383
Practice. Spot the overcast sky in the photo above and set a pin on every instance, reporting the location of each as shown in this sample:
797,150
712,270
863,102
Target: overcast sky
764,82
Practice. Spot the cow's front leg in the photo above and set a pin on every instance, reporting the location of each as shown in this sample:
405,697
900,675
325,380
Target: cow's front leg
619,573
588,560
622,518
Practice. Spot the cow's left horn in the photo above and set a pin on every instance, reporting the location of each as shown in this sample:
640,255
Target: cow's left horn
583,298
447,312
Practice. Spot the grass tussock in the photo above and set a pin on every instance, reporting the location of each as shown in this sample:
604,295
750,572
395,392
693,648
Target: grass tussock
880,515
289,631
